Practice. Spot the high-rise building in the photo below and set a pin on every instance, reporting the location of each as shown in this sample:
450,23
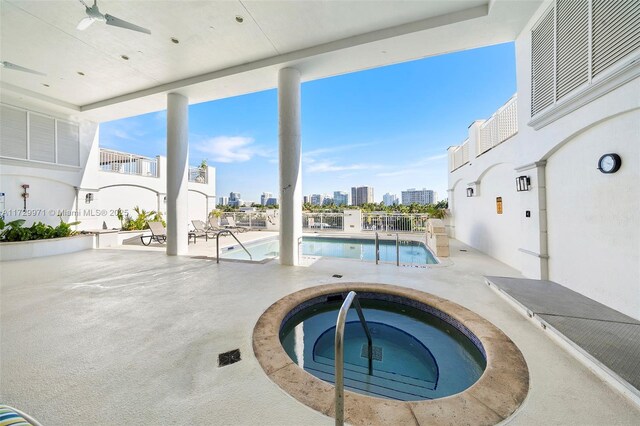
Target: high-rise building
235,199
264,197
326,200
361,195
317,199
390,199
341,198
420,196
306,199
271,201
224,201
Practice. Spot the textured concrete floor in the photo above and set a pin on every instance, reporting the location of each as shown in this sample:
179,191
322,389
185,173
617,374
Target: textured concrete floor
125,336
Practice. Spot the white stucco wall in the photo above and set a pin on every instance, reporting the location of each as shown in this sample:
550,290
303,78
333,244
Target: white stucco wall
56,189
584,227
594,218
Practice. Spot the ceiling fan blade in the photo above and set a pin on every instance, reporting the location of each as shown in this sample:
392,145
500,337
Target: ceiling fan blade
117,22
11,66
85,23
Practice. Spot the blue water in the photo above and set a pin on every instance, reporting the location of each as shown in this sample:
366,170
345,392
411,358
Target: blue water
413,252
418,355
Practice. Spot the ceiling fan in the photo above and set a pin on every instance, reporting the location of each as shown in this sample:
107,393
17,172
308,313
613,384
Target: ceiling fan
14,67
93,14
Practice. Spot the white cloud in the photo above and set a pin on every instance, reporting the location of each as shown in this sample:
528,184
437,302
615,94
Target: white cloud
230,149
330,166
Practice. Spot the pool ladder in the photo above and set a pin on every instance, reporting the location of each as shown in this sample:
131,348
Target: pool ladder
352,298
377,249
227,231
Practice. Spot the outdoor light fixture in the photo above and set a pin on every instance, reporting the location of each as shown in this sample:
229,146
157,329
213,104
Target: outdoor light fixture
25,195
523,183
165,199
88,198
469,192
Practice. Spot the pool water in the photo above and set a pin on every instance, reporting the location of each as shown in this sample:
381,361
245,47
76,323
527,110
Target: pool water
417,356
413,252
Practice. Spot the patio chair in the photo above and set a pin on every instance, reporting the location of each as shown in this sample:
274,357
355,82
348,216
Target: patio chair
213,224
231,224
158,234
201,230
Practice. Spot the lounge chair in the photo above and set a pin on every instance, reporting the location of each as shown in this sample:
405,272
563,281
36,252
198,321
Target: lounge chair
213,224
231,224
158,234
201,230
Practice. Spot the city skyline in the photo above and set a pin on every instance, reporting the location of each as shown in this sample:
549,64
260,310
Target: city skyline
387,127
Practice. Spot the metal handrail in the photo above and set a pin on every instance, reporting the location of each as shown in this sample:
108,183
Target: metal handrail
227,231
352,297
397,249
377,249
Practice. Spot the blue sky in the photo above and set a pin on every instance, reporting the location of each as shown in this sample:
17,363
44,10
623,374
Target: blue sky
388,127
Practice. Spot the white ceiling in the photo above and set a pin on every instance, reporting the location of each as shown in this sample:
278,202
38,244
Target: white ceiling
218,57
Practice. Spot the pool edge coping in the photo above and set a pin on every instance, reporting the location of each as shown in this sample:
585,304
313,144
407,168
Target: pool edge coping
497,394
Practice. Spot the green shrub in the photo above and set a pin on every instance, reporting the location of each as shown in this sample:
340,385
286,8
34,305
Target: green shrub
14,231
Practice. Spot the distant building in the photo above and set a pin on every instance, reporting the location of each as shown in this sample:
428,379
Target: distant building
306,199
317,199
341,198
224,201
420,196
327,200
361,195
235,199
271,201
390,199
264,197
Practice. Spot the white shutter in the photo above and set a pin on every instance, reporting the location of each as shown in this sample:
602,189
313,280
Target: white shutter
41,138
542,64
67,143
572,45
616,31
13,132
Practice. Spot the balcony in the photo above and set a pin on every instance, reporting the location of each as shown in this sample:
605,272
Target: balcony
485,135
127,163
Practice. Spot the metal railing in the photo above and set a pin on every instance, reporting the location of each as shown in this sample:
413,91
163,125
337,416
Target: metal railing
410,222
323,221
127,163
352,297
501,126
228,231
198,175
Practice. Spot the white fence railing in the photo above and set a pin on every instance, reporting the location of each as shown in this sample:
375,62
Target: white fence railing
127,163
411,222
319,221
460,155
198,175
394,222
501,126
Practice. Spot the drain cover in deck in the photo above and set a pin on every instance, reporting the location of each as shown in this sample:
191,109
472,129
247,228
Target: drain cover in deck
228,358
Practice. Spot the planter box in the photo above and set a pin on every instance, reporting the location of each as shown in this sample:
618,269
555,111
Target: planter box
50,247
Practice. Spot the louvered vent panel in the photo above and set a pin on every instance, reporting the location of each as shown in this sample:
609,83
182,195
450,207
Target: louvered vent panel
572,45
68,140
13,132
616,31
542,64
41,138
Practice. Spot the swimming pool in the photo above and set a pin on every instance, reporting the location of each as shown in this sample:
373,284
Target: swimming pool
413,252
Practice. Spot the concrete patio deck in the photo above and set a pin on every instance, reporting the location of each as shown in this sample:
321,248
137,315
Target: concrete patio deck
132,336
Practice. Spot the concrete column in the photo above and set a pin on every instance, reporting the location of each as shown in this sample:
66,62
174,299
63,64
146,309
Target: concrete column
290,165
177,171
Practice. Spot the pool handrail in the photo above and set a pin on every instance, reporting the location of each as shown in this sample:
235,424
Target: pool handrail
228,231
352,297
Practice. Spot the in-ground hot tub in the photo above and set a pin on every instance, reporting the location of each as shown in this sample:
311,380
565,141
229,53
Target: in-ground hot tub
433,359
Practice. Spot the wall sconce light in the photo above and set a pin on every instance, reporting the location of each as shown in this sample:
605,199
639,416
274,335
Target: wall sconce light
25,195
469,192
165,199
523,183
88,198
